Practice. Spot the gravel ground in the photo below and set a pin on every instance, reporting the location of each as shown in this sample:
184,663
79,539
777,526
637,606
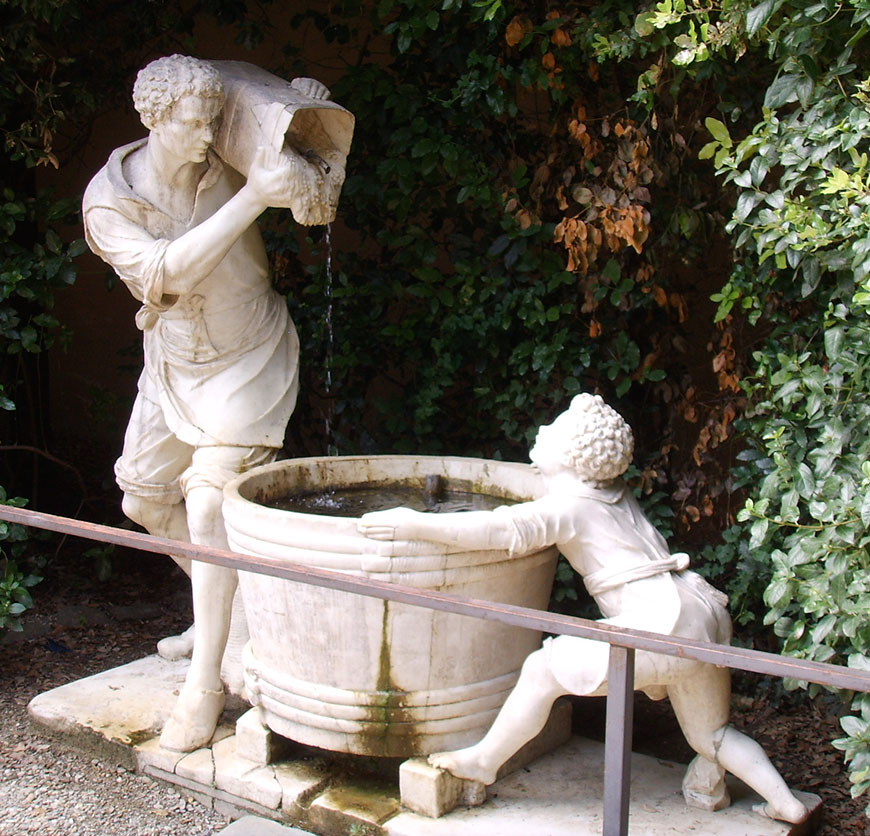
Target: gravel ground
46,792
86,628
81,626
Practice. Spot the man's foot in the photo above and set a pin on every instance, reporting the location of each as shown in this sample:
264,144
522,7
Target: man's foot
464,763
193,720
176,647
792,811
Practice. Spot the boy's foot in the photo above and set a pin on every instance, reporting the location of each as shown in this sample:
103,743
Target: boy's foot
463,763
793,812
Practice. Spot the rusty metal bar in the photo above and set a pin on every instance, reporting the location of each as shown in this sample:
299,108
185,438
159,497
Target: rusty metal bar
617,740
723,655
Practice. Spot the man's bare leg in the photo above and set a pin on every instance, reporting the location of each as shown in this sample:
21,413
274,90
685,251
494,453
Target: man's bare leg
169,521
232,669
201,700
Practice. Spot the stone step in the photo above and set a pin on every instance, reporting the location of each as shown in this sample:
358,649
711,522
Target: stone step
117,715
256,826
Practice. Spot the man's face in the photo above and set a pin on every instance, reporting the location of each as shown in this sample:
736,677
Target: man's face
189,129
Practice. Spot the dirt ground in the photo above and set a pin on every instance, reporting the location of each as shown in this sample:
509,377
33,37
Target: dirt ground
81,625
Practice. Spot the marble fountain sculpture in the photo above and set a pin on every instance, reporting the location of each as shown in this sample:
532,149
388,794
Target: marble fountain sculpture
175,215
357,674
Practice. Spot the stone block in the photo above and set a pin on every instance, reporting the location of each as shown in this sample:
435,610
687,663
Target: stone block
197,766
240,777
300,782
110,712
256,741
202,794
432,792
257,826
151,753
362,803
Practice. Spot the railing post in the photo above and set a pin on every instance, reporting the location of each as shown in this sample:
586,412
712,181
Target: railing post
617,740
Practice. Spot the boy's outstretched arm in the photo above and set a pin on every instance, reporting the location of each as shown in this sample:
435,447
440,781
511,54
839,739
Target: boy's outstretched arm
472,530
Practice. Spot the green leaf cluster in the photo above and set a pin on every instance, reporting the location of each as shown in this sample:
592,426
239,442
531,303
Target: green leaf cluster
32,267
809,508
801,226
15,585
456,325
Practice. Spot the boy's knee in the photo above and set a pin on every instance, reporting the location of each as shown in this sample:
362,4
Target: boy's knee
536,674
706,743
535,664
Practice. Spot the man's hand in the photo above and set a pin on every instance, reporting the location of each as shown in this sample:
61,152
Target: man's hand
310,87
271,178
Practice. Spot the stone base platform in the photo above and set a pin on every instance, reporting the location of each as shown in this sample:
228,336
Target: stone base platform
117,716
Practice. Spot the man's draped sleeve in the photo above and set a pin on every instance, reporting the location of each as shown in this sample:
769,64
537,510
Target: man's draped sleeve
135,255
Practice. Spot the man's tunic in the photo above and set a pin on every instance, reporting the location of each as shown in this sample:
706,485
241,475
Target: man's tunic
222,360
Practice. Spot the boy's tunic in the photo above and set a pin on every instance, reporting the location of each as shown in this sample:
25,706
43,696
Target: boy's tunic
629,571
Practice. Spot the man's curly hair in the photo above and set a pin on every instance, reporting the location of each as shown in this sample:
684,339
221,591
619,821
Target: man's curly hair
602,444
160,84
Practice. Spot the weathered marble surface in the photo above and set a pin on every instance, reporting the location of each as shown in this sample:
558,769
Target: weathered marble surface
358,674
560,794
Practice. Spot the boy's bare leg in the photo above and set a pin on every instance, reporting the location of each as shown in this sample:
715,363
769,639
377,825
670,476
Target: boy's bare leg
522,717
702,705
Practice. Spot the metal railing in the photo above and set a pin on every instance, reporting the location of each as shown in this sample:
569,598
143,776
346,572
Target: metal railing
624,642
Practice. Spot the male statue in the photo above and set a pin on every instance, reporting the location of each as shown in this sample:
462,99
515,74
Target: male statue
220,376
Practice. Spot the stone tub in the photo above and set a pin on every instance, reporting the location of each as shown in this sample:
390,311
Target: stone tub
361,675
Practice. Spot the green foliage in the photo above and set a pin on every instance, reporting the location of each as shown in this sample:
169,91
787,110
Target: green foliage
14,584
801,225
502,263
61,63
810,509
31,270
528,220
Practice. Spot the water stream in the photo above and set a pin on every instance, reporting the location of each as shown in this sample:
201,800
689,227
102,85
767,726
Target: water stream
331,449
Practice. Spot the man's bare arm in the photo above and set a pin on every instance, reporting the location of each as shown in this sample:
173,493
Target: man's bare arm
192,257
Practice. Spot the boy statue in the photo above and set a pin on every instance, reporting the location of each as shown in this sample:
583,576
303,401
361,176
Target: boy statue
220,377
594,519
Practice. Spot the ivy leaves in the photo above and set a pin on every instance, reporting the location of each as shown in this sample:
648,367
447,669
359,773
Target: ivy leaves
30,274
801,230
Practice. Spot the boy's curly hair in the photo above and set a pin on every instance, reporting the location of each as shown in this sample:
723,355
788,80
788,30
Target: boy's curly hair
160,84
602,445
